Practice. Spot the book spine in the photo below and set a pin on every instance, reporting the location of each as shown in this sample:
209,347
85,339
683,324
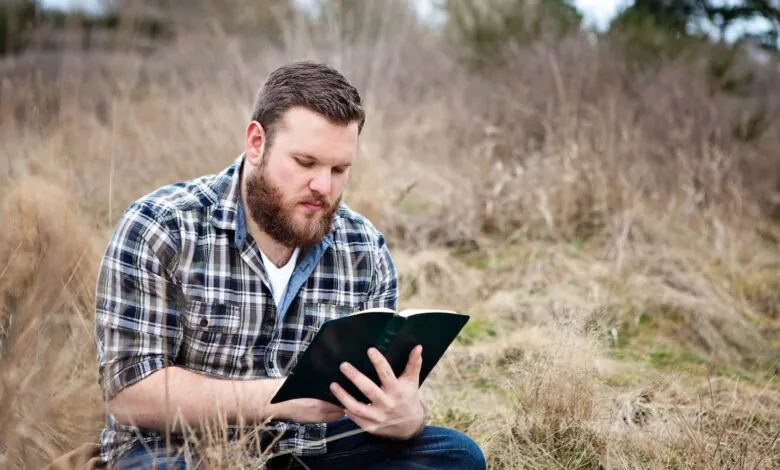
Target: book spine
385,340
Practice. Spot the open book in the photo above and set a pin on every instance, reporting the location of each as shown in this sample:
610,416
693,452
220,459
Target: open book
347,339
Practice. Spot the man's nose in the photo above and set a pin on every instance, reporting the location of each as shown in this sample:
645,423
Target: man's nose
321,182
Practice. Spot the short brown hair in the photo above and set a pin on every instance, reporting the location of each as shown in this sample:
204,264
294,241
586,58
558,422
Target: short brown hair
313,85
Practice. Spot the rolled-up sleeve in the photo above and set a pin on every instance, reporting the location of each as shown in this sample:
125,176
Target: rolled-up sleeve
137,325
383,290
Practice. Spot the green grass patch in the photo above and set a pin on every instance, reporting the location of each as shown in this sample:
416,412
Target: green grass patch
494,259
671,358
476,330
630,378
414,207
454,417
647,336
473,259
482,383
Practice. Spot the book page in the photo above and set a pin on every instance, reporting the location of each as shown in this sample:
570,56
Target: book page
370,310
416,311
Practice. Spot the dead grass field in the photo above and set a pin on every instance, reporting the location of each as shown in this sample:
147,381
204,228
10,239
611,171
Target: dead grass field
612,239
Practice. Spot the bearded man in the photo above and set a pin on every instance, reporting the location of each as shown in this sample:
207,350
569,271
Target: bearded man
211,288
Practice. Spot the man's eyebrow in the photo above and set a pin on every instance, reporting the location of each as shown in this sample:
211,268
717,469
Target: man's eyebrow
306,156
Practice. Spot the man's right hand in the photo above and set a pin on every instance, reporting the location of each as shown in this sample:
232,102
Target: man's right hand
306,411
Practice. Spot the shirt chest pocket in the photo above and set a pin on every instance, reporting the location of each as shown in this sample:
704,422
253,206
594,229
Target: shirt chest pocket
217,339
213,317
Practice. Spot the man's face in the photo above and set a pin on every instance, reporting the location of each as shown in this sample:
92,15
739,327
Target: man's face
295,187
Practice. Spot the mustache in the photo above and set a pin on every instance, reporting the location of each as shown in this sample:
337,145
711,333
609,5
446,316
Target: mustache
316,199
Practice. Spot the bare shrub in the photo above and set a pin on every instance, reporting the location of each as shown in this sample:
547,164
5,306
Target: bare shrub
49,257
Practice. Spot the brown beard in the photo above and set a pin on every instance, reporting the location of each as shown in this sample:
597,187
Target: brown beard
268,210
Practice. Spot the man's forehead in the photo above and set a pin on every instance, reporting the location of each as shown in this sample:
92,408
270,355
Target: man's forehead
321,140
298,116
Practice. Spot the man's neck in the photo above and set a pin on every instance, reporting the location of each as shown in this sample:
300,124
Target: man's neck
276,252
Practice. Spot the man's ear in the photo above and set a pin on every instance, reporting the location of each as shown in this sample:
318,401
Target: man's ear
254,142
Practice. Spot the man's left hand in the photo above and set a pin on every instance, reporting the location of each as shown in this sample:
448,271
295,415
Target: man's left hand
396,408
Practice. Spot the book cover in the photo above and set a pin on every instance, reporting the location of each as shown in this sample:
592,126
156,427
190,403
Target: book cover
347,339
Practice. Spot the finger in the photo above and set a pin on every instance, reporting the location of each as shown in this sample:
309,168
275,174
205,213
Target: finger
372,426
354,407
364,424
414,365
370,389
383,368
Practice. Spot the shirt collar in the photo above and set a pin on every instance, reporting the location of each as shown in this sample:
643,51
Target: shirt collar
227,193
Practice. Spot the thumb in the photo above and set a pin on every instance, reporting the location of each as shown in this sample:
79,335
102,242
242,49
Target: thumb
413,366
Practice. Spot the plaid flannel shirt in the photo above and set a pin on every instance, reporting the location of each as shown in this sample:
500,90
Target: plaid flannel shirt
182,283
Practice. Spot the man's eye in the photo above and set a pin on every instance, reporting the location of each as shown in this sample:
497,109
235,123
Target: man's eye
339,170
305,164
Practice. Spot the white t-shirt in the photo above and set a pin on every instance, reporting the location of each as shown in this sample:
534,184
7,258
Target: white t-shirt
279,277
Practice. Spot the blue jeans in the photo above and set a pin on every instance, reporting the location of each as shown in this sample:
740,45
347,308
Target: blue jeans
435,448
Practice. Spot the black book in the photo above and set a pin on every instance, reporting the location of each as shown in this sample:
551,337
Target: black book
347,339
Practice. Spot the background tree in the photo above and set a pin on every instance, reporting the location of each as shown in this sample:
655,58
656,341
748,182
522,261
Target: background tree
17,22
658,23
652,32
725,16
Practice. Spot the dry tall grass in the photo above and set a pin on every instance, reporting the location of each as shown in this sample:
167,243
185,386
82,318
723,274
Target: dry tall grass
612,238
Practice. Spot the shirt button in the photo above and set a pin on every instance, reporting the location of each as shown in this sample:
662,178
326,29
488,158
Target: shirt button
204,322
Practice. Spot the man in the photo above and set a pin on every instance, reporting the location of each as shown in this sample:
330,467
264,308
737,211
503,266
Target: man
211,288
